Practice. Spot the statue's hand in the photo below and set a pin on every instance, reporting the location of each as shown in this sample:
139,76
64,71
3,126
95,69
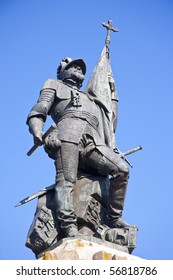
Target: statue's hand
38,138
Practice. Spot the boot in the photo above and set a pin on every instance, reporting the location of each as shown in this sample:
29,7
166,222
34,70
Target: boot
71,231
116,198
66,162
65,209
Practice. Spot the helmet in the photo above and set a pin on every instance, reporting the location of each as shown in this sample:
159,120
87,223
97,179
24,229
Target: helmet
66,63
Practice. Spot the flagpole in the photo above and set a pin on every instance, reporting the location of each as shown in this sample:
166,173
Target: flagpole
109,28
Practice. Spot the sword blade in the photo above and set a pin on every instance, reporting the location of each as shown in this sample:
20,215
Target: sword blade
37,194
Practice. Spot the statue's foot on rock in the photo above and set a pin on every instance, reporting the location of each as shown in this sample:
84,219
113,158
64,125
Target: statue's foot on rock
71,231
122,236
120,223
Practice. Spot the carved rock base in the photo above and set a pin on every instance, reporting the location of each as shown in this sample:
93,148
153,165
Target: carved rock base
83,249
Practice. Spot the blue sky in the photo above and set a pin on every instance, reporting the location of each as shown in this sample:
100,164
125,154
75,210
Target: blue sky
35,36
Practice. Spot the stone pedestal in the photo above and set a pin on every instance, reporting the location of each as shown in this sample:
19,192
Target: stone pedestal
85,249
45,237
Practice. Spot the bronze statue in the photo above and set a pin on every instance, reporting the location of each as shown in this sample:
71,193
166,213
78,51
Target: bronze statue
81,141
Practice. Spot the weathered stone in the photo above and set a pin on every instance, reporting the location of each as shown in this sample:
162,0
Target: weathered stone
50,256
102,255
83,249
68,255
118,257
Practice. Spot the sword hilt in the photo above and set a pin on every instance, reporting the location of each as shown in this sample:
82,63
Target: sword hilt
132,151
123,155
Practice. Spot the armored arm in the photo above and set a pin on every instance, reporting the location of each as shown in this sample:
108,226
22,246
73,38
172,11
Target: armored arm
39,112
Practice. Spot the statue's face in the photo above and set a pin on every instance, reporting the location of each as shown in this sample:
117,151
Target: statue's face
74,72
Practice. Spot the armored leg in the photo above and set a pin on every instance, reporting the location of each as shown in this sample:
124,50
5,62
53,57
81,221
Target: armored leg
116,198
66,164
109,163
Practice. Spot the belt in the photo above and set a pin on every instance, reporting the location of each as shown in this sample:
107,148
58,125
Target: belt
84,115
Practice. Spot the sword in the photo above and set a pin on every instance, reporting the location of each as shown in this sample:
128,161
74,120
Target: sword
37,194
131,151
51,187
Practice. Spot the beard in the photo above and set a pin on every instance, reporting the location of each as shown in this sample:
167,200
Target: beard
74,77
77,77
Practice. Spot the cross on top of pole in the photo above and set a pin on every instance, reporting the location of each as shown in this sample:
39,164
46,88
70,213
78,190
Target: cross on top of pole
109,28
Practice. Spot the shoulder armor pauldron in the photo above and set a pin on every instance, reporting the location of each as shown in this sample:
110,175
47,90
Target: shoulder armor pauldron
63,91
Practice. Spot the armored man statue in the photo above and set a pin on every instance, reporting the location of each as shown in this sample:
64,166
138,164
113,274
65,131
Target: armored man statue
81,143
